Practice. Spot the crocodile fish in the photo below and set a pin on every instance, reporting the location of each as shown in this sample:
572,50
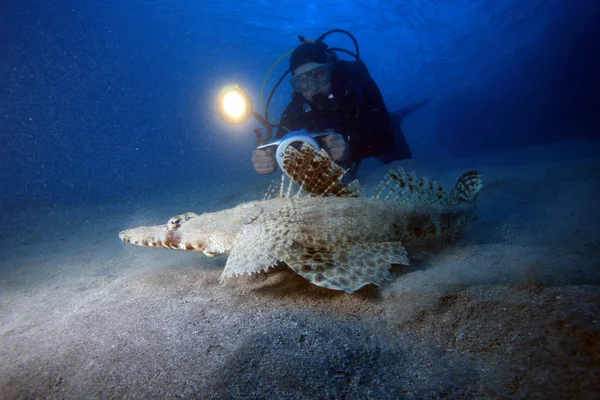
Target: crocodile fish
323,229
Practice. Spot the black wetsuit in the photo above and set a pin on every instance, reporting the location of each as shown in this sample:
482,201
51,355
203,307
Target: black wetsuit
356,110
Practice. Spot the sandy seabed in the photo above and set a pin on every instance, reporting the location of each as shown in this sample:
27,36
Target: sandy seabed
511,310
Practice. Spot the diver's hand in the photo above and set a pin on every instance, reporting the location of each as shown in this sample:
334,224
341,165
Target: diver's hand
335,145
264,160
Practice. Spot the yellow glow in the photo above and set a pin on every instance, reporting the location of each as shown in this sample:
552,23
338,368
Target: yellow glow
234,104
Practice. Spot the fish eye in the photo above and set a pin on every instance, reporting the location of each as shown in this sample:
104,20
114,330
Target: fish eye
174,223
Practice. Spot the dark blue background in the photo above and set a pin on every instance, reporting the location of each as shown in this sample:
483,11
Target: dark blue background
104,100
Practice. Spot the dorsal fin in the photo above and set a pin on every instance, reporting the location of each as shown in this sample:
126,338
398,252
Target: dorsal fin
317,174
397,185
284,188
467,187
275,189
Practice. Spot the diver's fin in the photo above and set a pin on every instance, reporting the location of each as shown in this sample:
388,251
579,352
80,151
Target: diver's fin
404,112
316,173
348,267
397,185
467,188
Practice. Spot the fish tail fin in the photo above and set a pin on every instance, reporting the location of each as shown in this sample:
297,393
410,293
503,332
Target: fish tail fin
467,188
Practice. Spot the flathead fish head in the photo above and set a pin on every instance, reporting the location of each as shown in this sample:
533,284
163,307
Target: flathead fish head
208,233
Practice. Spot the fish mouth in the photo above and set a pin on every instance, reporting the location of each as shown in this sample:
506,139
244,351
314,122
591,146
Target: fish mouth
126,237
132,236
160,237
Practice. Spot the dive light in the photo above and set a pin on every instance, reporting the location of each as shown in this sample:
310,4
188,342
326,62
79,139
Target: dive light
235,107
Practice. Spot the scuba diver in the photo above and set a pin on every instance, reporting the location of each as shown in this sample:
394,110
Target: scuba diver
340,97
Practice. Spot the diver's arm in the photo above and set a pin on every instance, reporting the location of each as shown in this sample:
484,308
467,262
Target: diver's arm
289,121
374,129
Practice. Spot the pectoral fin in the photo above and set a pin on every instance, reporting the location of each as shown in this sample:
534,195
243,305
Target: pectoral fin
346,267
258,248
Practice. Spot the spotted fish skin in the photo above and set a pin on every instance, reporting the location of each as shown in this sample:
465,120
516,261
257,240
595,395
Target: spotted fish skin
208,233
335,240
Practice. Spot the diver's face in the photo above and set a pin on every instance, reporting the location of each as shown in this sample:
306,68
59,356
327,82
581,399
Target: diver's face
312,78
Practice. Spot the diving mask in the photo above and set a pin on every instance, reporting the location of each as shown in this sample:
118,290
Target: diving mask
312,79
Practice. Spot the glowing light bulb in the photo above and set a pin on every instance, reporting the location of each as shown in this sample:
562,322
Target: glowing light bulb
234,104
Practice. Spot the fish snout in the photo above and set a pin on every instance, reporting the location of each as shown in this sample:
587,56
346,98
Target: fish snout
125,237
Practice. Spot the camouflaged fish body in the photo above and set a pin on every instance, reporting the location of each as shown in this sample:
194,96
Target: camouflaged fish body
332,238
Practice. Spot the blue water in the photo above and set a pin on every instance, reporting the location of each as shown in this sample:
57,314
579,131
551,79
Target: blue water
102,101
